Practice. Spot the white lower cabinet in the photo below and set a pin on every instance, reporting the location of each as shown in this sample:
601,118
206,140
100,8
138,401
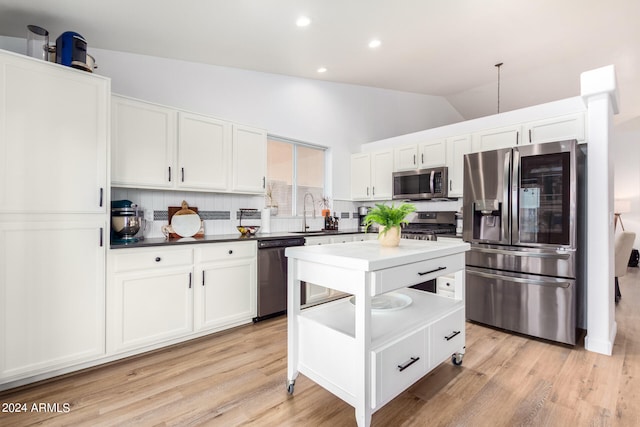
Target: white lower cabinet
447,335
225,292
52,281
151,297
162,295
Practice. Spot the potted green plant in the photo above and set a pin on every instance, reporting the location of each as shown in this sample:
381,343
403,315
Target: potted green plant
390,220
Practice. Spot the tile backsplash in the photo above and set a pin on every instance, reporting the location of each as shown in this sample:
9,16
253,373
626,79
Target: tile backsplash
220,211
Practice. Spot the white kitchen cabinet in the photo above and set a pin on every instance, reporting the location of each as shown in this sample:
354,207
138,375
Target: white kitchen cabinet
361,176
150,297
249,159
371,175
143,144
226,285
54,140
571,126
457,147
405,158
493,139
54,135
52,284
204,152
432,153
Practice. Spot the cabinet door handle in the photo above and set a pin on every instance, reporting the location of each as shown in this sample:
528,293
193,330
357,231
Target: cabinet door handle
529,135
450,184
264,182
101,195
422,157
189,280
432,271
367,191
414,159
230,251
101,237
449,337
373,191
202,277
169,173
517,137
408,363
182,172
158,259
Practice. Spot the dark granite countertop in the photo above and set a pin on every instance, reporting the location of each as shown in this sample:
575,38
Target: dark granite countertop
219,238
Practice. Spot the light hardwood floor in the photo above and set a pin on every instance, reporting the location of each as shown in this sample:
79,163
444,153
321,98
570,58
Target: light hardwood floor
238,378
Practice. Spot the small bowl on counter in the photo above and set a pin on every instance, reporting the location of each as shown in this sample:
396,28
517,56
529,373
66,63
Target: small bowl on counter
248,230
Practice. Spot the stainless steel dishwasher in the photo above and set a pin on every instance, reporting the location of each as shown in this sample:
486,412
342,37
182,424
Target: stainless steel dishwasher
272,276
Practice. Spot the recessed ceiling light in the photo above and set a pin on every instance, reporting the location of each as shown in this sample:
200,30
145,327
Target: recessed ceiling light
303,21
322,70
374,43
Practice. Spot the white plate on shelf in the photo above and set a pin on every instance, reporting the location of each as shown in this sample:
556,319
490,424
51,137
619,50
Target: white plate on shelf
390,301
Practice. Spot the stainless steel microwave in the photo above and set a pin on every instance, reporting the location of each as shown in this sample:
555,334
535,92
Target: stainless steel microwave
421,184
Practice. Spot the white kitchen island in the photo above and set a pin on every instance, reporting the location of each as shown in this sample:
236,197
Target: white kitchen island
365,354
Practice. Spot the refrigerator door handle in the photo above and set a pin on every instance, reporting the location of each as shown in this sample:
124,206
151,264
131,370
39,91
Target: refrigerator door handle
506,224
557,253
528,281
515,198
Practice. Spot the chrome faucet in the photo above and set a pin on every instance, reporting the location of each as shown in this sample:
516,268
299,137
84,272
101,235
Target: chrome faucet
304,212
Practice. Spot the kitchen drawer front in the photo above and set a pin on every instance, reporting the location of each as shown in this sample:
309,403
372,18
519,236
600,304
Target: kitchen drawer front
412,274
226,251
144,260
398,366
446,286
447,337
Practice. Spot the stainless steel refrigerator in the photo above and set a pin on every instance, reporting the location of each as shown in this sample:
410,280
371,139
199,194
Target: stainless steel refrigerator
520,210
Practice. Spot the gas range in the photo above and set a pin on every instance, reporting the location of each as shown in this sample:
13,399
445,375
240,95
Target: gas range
428,225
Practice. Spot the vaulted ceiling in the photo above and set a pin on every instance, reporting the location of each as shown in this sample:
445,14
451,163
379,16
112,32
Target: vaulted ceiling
436,47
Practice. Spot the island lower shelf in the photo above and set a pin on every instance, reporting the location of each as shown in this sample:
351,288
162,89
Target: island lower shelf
405,344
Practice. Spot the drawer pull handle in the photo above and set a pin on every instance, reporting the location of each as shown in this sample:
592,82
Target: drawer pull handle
452,335
409,363
432,271
230,251
158,259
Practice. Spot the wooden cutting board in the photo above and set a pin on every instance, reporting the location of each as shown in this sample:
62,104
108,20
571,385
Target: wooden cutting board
172,211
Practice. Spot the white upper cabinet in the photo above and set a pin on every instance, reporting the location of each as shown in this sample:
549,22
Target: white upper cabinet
361,176
432,154
457,147
54,130
249,159
571,126
420,156
143,141
158,147
493,139
204,152
406,158
371,175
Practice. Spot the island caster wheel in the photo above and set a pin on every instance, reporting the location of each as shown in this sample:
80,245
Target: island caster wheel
456,359
290,387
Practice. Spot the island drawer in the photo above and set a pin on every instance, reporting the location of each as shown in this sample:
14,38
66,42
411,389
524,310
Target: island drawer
411,274
225,251
398,366
447,337
157,258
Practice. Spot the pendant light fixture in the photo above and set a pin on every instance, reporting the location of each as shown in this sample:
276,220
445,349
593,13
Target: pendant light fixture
498,67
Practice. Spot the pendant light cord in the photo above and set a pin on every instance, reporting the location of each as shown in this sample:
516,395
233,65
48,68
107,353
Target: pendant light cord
498,67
